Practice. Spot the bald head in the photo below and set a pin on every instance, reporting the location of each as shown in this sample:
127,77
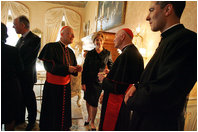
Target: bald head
64,27
127,36
67,35
122,38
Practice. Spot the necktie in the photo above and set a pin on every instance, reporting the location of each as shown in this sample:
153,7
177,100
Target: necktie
20,43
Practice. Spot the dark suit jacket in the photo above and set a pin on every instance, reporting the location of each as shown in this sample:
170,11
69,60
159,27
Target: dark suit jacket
29,48
11,66
93,63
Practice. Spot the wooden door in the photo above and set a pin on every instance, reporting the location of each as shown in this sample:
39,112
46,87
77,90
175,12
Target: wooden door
109,44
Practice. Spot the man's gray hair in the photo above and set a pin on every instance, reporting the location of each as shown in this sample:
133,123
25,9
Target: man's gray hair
23,19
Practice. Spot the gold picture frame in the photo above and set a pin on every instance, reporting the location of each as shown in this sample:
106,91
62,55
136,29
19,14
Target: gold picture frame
111,14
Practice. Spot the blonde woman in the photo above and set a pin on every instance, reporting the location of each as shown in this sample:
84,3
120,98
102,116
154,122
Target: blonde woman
96,60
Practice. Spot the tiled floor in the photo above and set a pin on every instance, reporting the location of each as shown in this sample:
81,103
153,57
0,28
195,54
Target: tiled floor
77,121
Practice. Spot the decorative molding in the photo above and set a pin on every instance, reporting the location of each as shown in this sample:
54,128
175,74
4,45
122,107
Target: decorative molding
81,4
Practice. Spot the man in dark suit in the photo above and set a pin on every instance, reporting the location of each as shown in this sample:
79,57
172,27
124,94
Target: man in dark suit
11,66
28,45
159,99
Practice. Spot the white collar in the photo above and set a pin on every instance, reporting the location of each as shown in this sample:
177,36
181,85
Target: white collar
171,27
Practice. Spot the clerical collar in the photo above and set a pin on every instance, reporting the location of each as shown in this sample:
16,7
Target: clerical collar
25,34
172,29
63,44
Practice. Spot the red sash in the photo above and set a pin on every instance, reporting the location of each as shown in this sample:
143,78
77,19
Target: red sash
58,80
112,111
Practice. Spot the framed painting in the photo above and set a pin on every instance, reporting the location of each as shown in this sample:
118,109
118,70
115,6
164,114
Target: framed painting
110,14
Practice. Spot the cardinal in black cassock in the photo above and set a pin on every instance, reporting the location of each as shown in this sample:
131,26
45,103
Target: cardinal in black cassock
125,71
59,62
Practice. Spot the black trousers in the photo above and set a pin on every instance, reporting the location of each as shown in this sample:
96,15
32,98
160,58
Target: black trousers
29,102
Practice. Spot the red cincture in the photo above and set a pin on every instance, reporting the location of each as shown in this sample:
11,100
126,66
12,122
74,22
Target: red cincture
57,80
112,111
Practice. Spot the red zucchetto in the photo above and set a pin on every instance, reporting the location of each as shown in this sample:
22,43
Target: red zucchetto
128,31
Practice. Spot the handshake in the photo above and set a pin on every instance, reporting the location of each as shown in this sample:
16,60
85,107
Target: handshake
74,69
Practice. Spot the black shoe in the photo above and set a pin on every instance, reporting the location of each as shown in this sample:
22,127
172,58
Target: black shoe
93,129
30,127
68,129
19,123
86,123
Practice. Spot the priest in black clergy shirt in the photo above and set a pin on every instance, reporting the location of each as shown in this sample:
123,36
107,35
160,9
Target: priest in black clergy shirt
158,100
28,45
59,62
125,71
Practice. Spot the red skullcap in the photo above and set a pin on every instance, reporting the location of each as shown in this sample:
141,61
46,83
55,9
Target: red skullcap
128,31
63,28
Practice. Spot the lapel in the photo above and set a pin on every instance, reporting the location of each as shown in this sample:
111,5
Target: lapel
22,41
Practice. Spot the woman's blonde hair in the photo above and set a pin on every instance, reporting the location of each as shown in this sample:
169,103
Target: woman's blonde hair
96,35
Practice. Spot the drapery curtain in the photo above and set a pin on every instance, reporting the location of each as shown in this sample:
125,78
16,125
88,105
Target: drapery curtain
16,9
53,19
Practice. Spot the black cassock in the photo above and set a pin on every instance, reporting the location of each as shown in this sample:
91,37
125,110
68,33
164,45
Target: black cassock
126,70
56,103
168,78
